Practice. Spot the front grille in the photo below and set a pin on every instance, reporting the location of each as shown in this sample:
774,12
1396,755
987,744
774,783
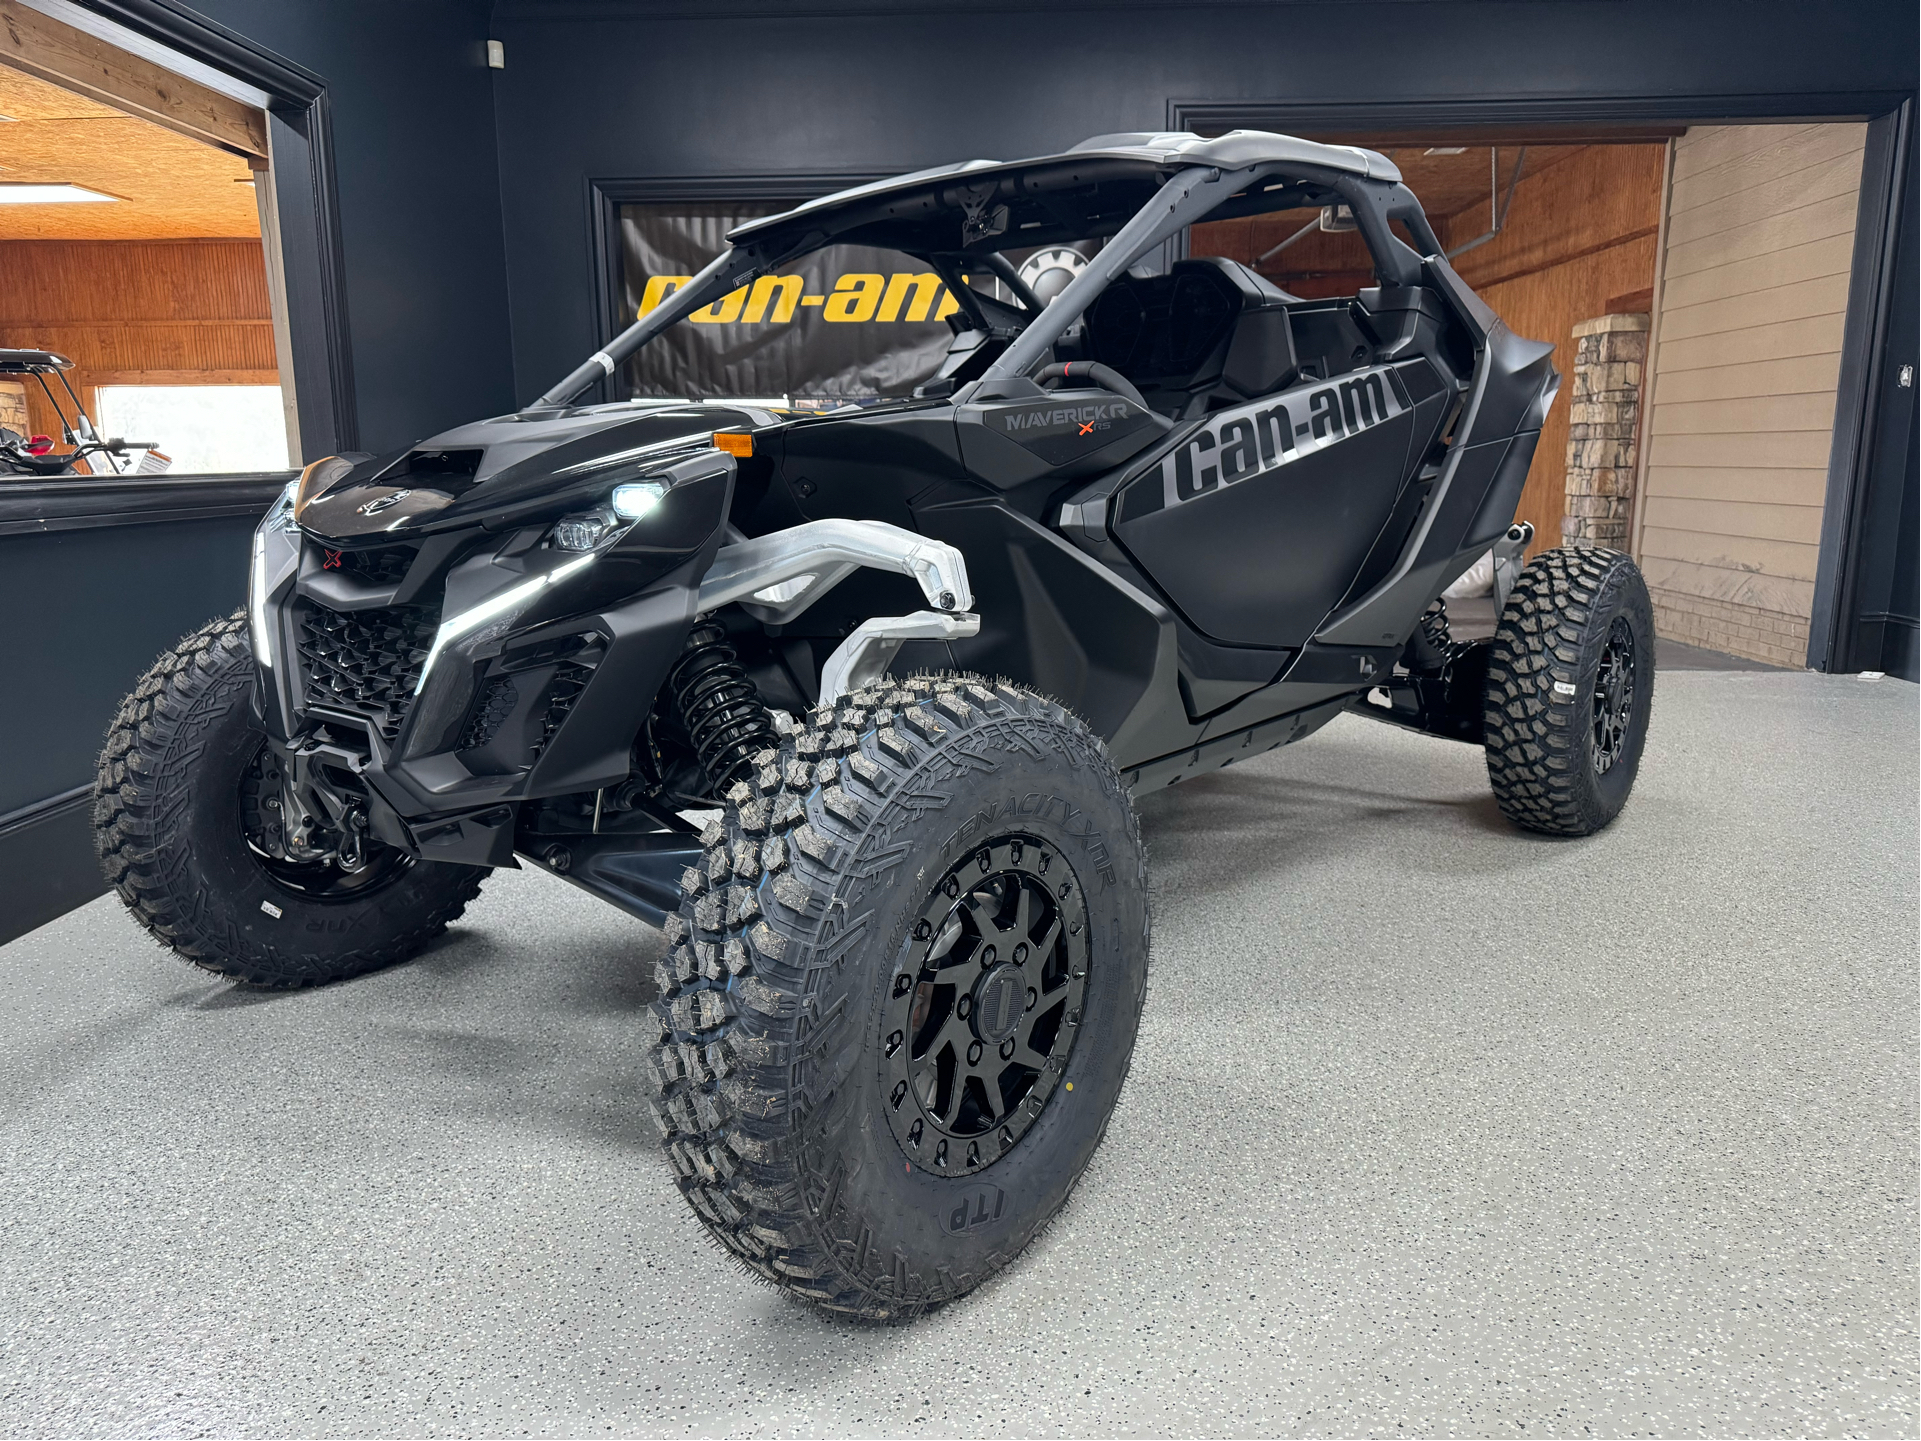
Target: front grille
366,661
570,680
495,705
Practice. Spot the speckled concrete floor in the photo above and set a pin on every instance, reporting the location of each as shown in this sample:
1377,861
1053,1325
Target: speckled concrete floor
1434,1128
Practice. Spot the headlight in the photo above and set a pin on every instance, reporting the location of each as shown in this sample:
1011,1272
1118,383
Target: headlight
637,497
588,530
279,515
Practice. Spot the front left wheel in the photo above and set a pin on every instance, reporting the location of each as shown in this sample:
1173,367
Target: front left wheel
191,827
902,992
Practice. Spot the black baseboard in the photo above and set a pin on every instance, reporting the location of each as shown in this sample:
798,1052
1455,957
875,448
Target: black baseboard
1901,648
47,863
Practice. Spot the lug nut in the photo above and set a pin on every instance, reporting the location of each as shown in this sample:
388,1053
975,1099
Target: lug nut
987,955
974,1053
1020,955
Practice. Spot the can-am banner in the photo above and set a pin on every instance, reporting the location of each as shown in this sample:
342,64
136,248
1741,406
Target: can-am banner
848,323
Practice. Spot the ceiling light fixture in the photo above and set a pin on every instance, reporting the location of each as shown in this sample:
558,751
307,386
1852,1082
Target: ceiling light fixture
28,193
1445,150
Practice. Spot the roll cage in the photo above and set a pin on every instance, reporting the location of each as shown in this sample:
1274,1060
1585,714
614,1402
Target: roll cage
1135,191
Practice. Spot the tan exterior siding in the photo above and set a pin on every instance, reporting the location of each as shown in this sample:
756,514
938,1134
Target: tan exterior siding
1759,237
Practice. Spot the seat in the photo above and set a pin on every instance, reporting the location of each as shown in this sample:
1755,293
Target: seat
1208,333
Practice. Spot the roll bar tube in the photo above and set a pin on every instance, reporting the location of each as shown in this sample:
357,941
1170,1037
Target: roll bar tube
723,274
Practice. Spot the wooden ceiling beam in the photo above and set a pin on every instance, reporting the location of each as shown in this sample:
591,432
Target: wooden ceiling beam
89,66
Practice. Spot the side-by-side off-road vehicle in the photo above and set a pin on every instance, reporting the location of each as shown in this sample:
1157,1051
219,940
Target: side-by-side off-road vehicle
913,658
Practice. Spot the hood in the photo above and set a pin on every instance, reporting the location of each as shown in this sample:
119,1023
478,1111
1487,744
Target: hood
514,469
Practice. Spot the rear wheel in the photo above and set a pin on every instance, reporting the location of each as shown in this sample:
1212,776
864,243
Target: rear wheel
192,833
902,992
1570,686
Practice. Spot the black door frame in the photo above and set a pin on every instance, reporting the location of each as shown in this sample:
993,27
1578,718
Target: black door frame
1890,117
300,141
1851,517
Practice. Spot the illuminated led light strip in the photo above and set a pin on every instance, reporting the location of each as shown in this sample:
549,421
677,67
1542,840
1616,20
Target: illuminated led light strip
477,616
257,603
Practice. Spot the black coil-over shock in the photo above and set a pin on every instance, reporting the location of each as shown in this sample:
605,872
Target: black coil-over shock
1430,646
719,706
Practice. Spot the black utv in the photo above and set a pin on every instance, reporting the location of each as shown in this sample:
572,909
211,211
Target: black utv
911,658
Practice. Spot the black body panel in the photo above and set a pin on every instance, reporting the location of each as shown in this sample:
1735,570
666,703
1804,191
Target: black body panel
1256,520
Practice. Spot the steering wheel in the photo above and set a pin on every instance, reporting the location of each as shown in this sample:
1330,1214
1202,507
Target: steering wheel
1092,372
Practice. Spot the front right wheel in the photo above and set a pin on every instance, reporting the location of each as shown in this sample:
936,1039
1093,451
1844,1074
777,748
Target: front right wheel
902,992
1570,687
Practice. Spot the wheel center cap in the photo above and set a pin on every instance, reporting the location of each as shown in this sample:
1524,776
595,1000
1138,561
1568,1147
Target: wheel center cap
999,998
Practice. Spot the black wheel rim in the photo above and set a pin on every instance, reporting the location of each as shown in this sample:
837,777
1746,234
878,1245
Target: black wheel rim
984,1006
323,880
1613,696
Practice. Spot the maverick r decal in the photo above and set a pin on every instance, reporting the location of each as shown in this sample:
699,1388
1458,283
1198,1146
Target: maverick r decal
1074,419
1263,436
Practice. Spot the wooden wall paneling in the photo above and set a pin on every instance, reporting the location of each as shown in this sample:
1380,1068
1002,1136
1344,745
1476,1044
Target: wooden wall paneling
1600,197
134,312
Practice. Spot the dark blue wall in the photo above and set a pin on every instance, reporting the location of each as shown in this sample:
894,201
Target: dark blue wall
419,188
667,89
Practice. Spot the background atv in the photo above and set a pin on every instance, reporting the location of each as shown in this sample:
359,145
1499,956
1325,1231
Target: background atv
24,456
1185,517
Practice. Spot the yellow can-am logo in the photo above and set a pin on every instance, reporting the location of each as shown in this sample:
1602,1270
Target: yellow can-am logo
858,298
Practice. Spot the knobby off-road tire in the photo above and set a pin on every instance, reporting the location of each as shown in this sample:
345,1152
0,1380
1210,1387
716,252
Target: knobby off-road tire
847,911
168,827
1570,685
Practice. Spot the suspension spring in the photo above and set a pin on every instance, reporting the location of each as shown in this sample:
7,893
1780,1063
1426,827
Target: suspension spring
1435,627
719,706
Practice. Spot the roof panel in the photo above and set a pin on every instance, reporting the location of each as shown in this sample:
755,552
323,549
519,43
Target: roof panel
1134,155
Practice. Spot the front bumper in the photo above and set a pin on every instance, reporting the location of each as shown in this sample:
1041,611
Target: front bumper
445,735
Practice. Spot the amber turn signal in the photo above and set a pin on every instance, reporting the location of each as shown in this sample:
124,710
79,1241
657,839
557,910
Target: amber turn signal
734,442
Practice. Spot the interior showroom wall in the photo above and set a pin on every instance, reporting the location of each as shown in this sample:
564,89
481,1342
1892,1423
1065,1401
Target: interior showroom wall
1151,717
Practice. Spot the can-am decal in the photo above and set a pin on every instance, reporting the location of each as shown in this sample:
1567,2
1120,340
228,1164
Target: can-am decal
1258,438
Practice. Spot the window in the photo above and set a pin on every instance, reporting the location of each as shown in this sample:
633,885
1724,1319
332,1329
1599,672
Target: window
206,429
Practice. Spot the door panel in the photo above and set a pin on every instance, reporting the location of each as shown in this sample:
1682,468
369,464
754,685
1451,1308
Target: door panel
1257,521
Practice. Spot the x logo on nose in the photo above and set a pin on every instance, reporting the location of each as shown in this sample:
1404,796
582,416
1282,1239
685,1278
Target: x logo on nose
1087,428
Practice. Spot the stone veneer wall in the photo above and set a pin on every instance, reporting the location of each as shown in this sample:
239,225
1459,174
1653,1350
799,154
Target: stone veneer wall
13,406
1604,414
